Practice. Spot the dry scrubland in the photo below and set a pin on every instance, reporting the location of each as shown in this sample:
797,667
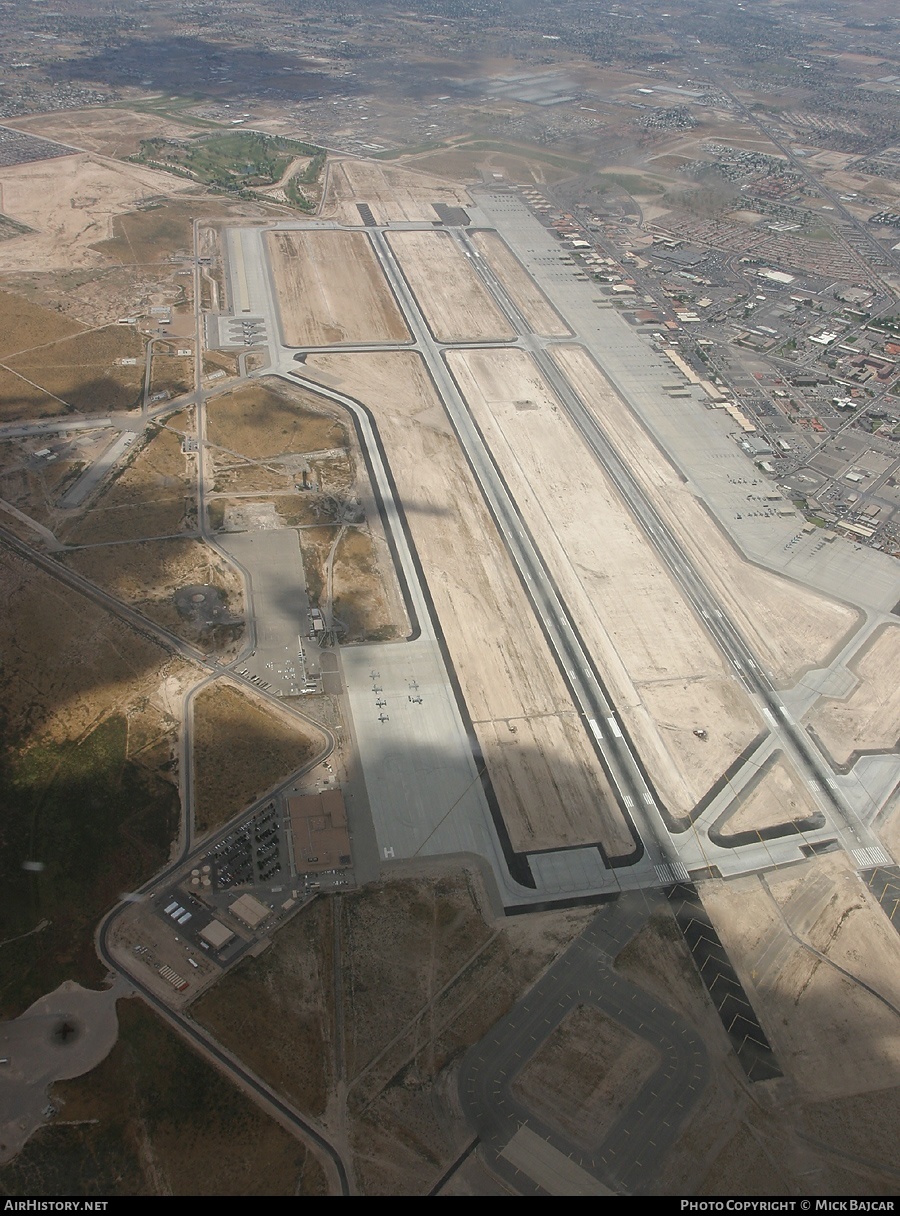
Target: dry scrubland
149,498
34,486
242,747
448,290
665,677
273,420
156,1119
71,204
473,164
331,289
49,362
790,627
146,575
537,310
869,718
83,371
85,774
832,1038
392,193
550,785
110,132
422,978
140,238
277,1011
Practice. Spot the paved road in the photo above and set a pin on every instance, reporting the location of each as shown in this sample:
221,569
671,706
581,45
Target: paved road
628,1156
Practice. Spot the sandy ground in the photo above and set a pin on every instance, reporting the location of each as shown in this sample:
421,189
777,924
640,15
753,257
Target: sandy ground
831,1036
392,193
663,673
110,132
779,796
146,575
523,291
70,204
870,717
149,498
243,746
549,783
455,303
331,289
790,627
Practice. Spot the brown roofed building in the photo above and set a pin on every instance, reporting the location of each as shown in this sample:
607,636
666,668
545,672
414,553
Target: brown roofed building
319,827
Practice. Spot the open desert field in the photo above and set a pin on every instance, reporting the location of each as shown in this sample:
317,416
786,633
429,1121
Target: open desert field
331,289
447,289
550,785
391,192
778,797
663,673
831,1036
869,718
735,1144
111,132
25,326
271,418
790,627
86,371
242,747
93,730
131,1127
523,291
70,204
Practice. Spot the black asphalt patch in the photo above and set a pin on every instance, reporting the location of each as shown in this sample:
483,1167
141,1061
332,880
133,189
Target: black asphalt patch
455,217
885,884
721,982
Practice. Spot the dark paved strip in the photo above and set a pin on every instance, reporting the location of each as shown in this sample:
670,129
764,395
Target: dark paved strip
451,1170
885,884
365,214
721,982
456,217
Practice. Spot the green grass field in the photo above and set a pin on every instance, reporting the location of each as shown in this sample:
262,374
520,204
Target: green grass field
233,160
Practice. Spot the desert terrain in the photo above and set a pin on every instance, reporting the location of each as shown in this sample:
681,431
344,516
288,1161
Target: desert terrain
869,718
447,289
331,289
